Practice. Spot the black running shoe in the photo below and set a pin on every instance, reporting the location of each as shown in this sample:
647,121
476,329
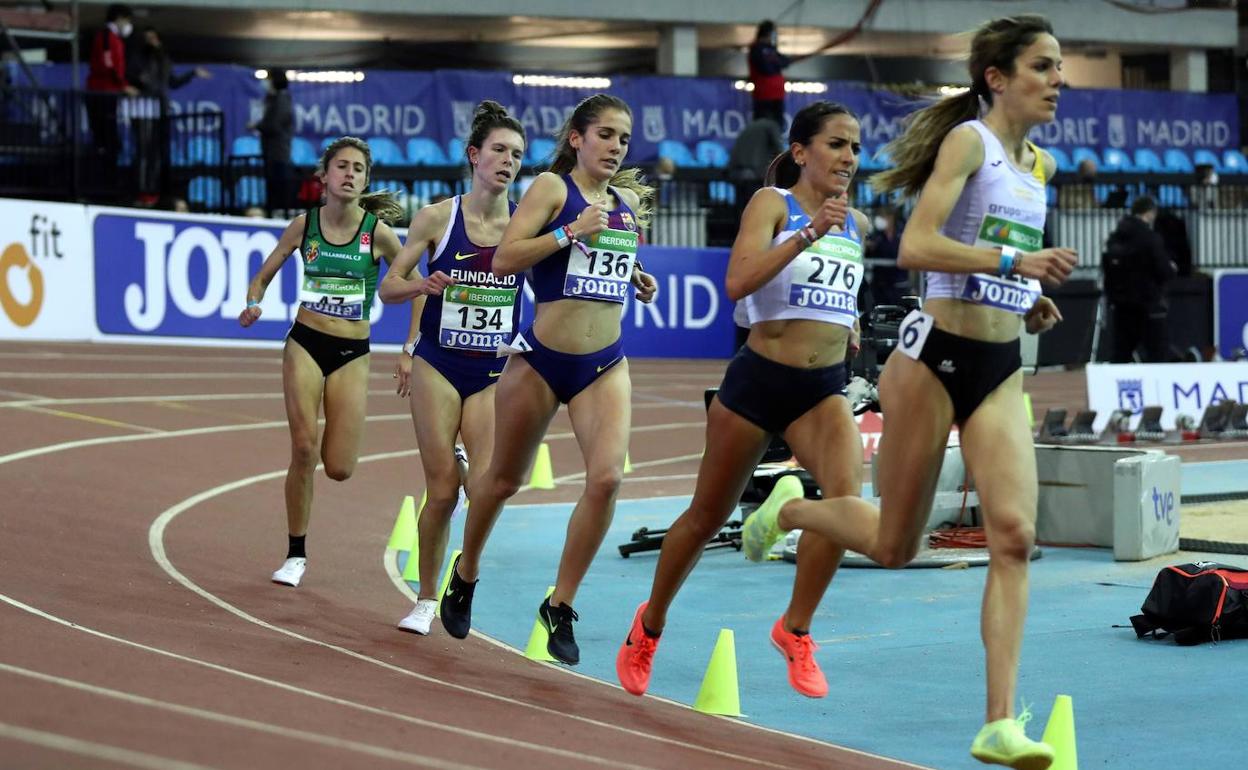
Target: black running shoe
456,607
558,622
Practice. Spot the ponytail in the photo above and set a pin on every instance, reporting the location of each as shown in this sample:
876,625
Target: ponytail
914,151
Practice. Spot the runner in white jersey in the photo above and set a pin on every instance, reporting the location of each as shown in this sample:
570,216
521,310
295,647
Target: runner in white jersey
975,232
796,268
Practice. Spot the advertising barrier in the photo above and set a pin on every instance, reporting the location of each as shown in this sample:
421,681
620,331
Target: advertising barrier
45,271
1177,388
94,273
1230,313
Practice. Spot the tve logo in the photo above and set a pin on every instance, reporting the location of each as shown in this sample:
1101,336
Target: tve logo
1163,506
187,276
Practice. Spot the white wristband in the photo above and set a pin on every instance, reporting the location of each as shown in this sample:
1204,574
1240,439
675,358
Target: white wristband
563,236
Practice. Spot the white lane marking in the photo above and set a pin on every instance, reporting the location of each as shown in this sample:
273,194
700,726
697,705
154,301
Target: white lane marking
114,357
32,400
93,750
156,534
373,710
407,757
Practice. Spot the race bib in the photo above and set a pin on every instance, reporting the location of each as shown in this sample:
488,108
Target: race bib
331,296
826,277
912,334
604,270
1014,294
476,317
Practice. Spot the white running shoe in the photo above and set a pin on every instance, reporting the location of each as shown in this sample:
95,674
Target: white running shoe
461,504
420,618
291,571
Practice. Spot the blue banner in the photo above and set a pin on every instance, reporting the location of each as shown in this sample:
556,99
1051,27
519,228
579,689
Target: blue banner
173,275
393,108
1230,312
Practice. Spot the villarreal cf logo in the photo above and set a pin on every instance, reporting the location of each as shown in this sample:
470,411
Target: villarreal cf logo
314,248
457,293
999,231
628,220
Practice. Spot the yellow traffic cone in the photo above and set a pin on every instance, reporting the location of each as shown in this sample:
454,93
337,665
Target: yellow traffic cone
1059,733
719,693
411,569
446,574
401,536
536,648
543,476
628,463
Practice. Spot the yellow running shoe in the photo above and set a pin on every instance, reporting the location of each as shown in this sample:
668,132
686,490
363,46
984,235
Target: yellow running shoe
1005,742
762,527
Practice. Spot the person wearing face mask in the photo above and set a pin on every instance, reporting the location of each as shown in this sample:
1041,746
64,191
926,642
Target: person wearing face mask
106,82
767,67
795,269
151,71
277,130
889,283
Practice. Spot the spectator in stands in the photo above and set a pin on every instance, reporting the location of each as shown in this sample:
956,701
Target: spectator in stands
767,66
150,70
277,128
1081,194
1204,194
106,79
1136,268
752,152
889,283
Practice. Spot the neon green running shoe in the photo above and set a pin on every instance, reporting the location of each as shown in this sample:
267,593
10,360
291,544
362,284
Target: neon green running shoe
762,528
1005,742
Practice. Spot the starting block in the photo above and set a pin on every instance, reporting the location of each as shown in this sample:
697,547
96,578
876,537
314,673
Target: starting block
1149,427
1216,420
1118,428
1238,422
1053,429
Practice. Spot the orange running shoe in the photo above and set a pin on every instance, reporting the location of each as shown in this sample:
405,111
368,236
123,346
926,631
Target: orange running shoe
636,656
799,651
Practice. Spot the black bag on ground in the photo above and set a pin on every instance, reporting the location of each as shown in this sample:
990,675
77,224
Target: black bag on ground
1196,603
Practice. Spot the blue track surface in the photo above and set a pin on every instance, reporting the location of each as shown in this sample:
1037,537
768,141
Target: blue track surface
901,649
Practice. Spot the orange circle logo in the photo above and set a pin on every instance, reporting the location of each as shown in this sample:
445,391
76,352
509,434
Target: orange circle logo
16,258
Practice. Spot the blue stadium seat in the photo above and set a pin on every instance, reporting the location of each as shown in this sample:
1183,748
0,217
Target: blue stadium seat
326,142
1080,154
249,191
202,149
204,191
540,151
456,150
1147,160
392,185
1172,196
711,154
302,153
678,153
425,190
1234,162
423,151
1207,158
385,152
1177,162
1061,158
1116,160
722,192
245,145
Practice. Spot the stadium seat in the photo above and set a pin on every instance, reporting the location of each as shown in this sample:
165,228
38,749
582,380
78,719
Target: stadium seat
1116,160
249,191
385,152
302,153
678,153
722,192
711,154
1147,161
245,145
1172,196
326,142
204,191
203,149
426,190
423,151
1061,158
1080,154
1234,162
1207,158
1177,162
540,151
456,150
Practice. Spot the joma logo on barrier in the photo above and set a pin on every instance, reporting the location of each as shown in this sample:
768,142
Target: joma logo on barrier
202,272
